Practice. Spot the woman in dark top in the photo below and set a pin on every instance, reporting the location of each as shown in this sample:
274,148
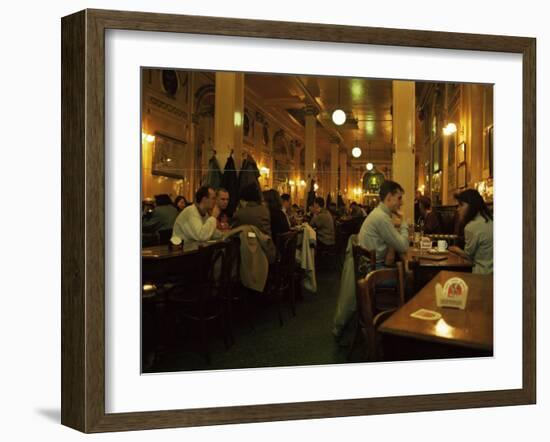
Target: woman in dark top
432,223
180,203
279,221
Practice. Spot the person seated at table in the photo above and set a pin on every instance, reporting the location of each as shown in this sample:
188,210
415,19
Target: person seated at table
279,221
323,223
379,233
477,220
288,209
222,201
384,228
180,203
198,221
252,211
356,211
162,217
432,223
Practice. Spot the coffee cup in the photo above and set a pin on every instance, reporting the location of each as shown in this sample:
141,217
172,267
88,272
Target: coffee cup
442,245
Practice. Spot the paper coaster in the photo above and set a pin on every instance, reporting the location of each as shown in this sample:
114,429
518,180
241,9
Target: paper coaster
427,315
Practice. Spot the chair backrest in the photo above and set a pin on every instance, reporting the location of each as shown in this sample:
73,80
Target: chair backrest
366,301
231,260
210,264
286,258
164,236
364,260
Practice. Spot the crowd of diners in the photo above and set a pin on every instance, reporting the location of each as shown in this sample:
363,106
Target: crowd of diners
383,228
208,217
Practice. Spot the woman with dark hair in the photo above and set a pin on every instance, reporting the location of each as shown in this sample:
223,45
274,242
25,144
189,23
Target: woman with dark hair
279,221
477,220
180,202
251,211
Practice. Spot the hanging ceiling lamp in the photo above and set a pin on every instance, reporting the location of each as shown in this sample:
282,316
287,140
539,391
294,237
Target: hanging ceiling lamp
356,151
339,116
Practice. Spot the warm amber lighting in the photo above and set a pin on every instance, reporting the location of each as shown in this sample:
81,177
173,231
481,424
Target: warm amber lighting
356,152
291,182
339,117
302,183
147,137
238,119
316,187
370,166
264,171
449,129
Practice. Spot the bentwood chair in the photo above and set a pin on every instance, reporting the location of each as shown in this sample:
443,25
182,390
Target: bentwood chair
200,300
281,280
364,260
369,316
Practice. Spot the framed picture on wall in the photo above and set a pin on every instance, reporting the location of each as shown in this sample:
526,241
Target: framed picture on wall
103,388
461,176
451,162
168,156
461,152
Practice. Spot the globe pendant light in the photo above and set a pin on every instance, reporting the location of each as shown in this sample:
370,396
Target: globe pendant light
356,151
338,116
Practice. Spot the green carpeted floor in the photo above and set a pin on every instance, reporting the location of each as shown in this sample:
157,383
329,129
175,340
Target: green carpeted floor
304,339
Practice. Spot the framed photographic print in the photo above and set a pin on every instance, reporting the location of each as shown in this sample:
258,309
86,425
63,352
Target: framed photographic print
117,374
461,152
461,176
168,156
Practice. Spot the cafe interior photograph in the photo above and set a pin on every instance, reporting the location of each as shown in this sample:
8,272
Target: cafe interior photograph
293,220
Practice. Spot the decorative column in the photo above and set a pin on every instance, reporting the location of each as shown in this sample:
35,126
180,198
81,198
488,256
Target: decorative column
344,174
403,139
229,112
334,168
311,142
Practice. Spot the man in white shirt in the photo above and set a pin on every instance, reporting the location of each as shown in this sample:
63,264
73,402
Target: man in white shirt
198,221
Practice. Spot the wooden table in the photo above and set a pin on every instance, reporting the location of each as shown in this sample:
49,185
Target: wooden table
470,329
451,260
425,269
162,261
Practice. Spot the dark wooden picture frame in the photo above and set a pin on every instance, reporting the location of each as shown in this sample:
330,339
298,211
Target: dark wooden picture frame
83,220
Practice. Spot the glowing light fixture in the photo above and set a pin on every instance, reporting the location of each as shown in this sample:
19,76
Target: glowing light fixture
338,116
356,152
264,171
302,183
449,129
147,137
316,187
370,166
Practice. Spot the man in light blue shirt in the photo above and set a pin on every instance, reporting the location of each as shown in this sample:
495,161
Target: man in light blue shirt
378,231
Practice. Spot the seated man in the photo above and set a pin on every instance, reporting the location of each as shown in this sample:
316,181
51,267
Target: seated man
378,231
222,201
285,202
197,222
430,217
323,223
